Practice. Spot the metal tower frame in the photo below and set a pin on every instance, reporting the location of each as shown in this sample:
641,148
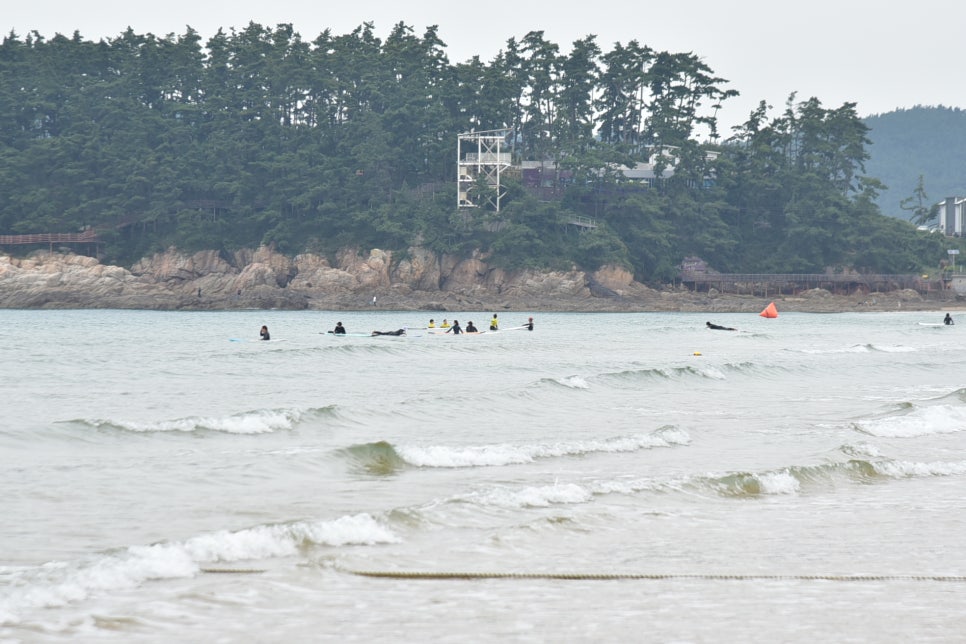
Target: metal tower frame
480,154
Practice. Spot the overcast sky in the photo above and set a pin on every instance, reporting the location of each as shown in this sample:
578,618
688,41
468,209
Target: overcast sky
871,53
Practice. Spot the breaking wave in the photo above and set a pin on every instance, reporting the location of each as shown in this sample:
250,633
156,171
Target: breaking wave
60,583
383,457
258,421
944,415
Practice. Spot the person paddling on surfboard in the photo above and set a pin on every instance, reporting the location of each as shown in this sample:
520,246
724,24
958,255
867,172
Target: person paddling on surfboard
948,319
718,327
264,333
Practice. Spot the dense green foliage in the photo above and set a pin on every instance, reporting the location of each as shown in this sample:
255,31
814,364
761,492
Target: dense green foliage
923,148
258,136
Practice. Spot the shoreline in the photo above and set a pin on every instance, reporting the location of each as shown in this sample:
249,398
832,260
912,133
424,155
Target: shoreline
680,301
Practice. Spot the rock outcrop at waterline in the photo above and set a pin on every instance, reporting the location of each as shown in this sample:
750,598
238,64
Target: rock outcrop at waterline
263,278
420,280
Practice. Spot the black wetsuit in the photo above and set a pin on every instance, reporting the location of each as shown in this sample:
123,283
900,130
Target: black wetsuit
456,330
339,329
265,335
718,327
471,329
397,332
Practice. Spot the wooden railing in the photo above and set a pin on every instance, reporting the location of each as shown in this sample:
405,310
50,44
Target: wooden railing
88,236
583,222
801,281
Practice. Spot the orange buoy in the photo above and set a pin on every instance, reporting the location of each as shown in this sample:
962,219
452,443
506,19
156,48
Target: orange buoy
770,311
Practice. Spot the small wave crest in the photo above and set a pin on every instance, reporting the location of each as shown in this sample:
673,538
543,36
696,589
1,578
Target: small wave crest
667,373
509,454
862,348
531,497
706,371
375,458
61,583
258,421
791,480
755,484
572,382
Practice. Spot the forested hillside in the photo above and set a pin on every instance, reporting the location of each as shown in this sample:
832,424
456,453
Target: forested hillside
260,137
927,142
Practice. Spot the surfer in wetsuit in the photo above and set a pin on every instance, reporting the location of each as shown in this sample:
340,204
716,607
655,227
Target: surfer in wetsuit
529,324
948,319
396,332
339,329
718,327
456,330
471,328
264,333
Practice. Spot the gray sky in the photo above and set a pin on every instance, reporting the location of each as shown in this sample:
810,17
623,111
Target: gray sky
874,54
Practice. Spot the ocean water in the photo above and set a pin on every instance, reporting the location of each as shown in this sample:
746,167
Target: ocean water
605,477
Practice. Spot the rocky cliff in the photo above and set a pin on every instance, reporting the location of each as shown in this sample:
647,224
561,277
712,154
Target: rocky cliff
416,280
263,278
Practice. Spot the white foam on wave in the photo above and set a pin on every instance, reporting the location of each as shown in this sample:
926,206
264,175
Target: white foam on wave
894,348
507,454
855,348
532,497
574,382
711,372
782,482
907,469
60,583
252,422
922,421
863,348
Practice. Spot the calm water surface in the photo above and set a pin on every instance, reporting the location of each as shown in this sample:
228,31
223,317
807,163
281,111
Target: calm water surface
800,479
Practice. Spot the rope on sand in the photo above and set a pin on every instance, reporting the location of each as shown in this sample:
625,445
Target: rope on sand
385,574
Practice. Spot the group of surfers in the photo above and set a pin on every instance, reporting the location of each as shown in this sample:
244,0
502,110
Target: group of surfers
456,329
453,328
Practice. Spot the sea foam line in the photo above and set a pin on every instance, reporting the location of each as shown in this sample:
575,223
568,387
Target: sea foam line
508,454
258,421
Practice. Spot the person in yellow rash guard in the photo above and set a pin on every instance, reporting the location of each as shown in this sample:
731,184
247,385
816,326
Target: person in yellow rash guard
494,323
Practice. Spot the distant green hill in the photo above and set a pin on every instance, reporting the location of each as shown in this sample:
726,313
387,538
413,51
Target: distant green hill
927,141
